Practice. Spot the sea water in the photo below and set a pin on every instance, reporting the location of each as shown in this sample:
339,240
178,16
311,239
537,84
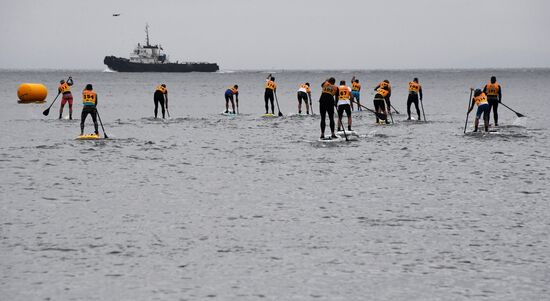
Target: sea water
206,206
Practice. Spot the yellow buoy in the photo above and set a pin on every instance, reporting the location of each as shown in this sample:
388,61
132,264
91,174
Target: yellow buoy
32,93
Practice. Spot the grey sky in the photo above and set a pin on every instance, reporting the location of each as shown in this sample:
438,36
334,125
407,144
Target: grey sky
284,34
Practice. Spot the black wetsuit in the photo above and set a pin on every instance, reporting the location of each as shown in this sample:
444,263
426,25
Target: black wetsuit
326,105
269,96
493,101
413,98
93,112
159,98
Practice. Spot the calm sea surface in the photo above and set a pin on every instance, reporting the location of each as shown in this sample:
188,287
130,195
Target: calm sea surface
205,206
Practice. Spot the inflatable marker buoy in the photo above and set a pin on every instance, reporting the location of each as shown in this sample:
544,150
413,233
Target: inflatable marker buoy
32,93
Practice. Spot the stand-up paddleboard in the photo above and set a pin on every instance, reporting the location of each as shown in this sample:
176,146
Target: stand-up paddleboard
229,113
88,137
331,140
269,115
352,135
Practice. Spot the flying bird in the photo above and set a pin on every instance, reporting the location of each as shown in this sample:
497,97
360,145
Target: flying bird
116,15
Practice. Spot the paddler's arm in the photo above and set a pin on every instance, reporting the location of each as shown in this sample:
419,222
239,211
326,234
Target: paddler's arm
499,93
96,100
485,89
237,96
376,87
166,97
70,81
420,92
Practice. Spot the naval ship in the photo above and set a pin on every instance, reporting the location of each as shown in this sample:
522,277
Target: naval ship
150,58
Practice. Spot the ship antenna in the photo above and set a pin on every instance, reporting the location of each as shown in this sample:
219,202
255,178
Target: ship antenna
147,33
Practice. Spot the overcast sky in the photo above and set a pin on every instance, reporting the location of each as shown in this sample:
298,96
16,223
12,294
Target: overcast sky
284,34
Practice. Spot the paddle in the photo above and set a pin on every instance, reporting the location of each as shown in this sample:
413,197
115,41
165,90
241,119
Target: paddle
341,123
310,105
168,112
397,112
280,114
379,115
517,114
468,113
389,111
422,106
47,111
99,117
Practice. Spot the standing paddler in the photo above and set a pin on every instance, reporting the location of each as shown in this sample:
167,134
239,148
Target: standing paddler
89,102
269,95
379,102
326,105
65,89
229,97
415,91
355,94
494,97
304,93
161,95
344,95
385,84
480,99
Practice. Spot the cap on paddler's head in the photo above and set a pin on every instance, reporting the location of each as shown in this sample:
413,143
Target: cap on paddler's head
163,85
89,87
62,81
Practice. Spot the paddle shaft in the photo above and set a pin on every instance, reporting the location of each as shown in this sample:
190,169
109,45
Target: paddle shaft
422,106
310,105
389,111
276,100
47,111
518,114
391,106
168,112
100,122
372,111
468,112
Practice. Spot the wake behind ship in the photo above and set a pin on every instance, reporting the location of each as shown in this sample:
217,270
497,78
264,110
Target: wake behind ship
149,58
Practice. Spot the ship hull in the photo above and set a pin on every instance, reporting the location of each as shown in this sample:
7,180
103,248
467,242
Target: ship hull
124,65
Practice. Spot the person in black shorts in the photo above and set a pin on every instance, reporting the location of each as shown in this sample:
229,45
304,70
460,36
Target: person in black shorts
343,96
304,94
326,105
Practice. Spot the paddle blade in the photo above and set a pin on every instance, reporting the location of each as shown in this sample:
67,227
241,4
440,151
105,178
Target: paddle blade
46,112
519,115
280,114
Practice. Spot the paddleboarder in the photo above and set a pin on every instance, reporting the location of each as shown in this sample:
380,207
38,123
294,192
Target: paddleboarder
160,96
65,89
415,91
344,94
494,97
480,99
355,94
229,97
379,102
326,105
89,102
385,84
304,93
269,95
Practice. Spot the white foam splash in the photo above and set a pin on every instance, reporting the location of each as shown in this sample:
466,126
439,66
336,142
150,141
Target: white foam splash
520,121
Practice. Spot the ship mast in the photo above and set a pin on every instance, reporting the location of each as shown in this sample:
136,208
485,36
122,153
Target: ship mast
147,33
